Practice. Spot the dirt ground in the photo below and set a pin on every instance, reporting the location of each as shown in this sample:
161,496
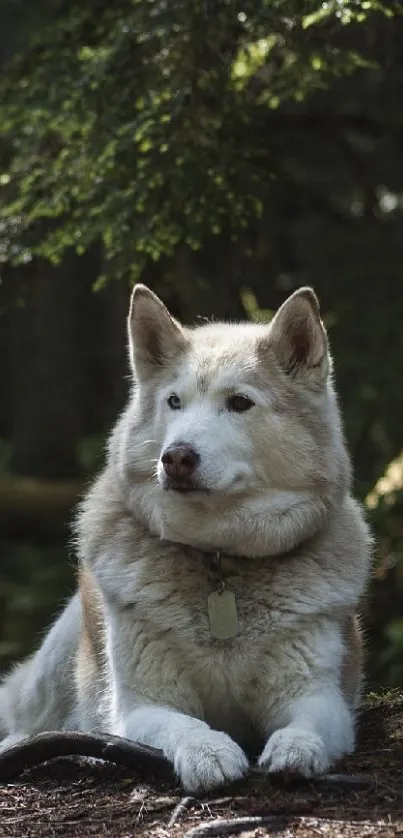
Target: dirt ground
73,799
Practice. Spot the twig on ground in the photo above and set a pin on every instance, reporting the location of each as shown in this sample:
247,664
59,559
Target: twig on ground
179,810
236,825
347,781
342,781
35,750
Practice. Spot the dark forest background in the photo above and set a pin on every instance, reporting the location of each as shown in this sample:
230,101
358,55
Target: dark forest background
224,153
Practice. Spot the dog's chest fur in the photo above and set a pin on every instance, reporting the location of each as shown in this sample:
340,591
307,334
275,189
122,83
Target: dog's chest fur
171,595
158,622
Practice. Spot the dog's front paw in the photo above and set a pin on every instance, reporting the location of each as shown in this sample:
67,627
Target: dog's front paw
294,751
209,759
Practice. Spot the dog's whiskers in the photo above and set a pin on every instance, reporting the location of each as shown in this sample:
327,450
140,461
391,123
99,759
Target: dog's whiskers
147,442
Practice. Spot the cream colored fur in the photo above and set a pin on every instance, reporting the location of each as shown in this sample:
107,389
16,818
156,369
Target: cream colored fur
135,654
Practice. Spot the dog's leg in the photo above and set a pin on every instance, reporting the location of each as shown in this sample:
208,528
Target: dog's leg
38,694
203,758
316,729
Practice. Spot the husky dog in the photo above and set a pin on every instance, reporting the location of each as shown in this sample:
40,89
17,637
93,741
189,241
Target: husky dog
221,559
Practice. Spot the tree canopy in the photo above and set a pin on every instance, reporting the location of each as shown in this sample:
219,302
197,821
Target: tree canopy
153,123
226,152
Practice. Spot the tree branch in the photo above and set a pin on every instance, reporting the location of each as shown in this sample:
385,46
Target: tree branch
35,750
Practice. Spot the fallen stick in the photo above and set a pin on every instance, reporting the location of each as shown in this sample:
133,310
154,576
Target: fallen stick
233,827
354,782
36,750
179,810
145,760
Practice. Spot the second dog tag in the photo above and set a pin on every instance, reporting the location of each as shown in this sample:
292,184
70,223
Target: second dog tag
223,614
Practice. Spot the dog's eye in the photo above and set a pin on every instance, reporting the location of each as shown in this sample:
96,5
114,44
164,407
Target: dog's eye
239,404
174,402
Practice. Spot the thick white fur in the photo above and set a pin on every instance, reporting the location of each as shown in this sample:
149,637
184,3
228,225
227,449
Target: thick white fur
137,656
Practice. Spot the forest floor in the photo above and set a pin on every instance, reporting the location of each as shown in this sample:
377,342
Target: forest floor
74,799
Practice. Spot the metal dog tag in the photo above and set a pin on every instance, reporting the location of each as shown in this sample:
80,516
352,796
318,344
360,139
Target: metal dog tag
223,614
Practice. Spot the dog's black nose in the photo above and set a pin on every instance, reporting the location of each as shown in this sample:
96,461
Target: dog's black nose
180,461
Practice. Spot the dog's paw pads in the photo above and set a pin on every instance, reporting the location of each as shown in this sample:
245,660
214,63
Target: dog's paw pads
294,751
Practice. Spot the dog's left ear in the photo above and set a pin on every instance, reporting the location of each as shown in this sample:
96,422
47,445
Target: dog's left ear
155,337
298,337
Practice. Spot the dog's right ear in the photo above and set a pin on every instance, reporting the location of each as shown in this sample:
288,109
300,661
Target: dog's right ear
298,338
154,336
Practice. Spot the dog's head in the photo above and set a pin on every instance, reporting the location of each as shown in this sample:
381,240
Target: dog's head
229,419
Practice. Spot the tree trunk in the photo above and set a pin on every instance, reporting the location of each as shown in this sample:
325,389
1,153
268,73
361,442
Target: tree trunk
47,366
